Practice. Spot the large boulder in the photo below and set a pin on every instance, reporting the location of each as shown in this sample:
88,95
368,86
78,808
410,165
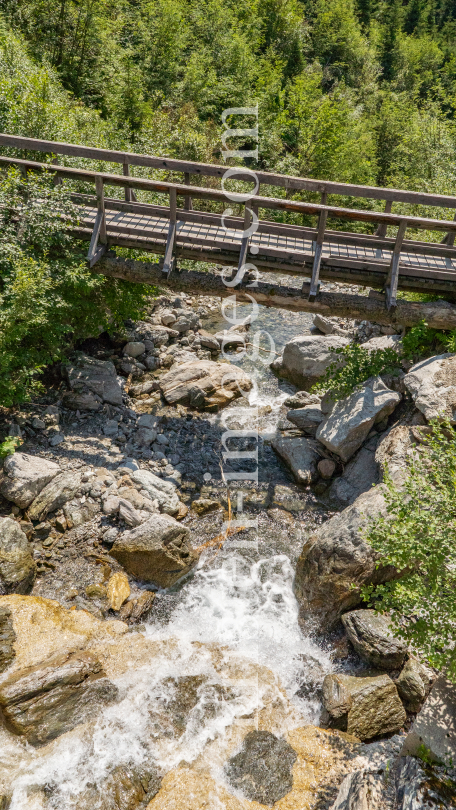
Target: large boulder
42,702
365,707
351,419
395,451
435,725
156,551
96,377
371,635
414,683
17,567
300,454
359,475
262,770
336,561
25,476
305,359
307,419
204,383
432,385
60,490
158,490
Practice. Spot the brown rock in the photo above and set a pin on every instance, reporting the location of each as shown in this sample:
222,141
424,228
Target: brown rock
118,590
137,609
225,380
203,505
365,707
326,468
7,639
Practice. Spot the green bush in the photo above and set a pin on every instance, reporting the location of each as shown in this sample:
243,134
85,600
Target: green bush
422,341
418,537
353,366
48,297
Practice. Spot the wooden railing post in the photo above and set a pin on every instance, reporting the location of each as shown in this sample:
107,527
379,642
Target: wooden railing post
314,282
381,230
126,171
188,205
99,233
169,260
245,239
393,272
57,180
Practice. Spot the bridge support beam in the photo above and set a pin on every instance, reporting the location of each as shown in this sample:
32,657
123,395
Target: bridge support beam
438,314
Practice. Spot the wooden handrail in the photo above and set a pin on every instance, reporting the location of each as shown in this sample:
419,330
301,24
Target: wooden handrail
358,215
289,182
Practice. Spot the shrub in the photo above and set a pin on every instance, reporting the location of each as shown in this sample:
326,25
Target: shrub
418,537
48,296
353,366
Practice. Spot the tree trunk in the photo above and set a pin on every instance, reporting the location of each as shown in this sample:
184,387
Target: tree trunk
438,314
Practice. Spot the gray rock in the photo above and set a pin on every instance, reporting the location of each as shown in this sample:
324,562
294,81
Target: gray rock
111,505
157,551
60,490
432,385
77,513
351,419
414,683
25,476
301,399
435,725
300,454
44,701
131,516
262,769
147,420
152,363
336,561
158,490
56,438
228,339
82,401
419,789
17,567
167,318
208,340
373,639
384,342
328,327
366,707
134,349
360,790
305,359
111,427
359,475
306,419
187,319
7,639
219,383
94,376
395,451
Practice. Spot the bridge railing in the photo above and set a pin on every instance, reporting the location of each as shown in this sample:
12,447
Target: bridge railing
323,211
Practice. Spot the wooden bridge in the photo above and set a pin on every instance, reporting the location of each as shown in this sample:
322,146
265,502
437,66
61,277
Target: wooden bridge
178,230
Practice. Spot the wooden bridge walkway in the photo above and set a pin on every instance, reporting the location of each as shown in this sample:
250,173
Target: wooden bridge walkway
178,230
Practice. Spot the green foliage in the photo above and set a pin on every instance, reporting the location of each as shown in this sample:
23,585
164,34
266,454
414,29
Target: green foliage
48,297
423,341
9,445
353,366
418,537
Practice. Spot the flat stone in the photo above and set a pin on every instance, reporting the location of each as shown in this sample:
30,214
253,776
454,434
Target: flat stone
328,327
359,475
60,490
156,551
300,454
95,376
25,476
370,705
262,770
118,590
336,561
306,419
305,359
159,490
302,398
383,342
435,725
42,702
17,567
208,376
432,385
208,340
351,419
373,639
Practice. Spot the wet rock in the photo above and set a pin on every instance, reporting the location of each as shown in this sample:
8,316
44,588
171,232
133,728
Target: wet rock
126,788
326,467
336,561
305,359
137,609
301,399
118,590
306,419
55,494
365,707
96,591
42,702
204,505
17,567
300,454
262,770
134,349
208,340
220,380
7,639
359,475
435,725
157,551
351,419
373,639
158,490
25,476
88,375
414,683
432,385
